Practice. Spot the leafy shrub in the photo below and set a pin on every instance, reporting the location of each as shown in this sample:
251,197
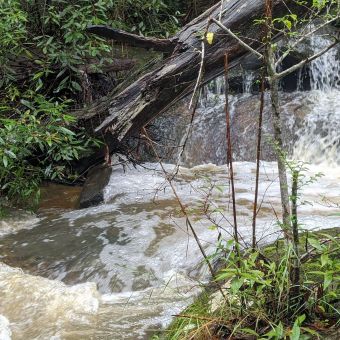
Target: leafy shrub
12,37
36,143
52,35
147,17
257,293
44,48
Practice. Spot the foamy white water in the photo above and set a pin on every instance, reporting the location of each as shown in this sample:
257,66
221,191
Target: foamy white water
16,221
5,331
122,269
137,250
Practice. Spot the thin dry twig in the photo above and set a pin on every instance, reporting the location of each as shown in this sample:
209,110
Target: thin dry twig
229,151
241,42
258,156
183,209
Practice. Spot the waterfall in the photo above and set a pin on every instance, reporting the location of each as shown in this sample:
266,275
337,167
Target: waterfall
311,118
318,140
212,92
135,248
248,79
325,70
299,85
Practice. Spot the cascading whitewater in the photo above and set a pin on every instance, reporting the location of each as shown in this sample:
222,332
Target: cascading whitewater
248,79
318,140
141,260
313,136
325,70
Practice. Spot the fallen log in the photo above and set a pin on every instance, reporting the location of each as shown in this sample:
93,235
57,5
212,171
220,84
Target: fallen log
161,45
117,65
24,68
154,92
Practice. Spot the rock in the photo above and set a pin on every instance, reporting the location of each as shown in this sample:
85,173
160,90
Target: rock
97,179
167,131
295,106
207,141
93,190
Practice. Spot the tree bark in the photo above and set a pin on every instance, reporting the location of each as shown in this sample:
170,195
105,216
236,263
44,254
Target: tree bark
279,147
175,77
162,45
280,155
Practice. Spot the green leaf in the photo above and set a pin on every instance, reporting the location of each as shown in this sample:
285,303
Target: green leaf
226,274
249,331
324,259
327,280
276,333
315,243
27,103
219,188
5,161
296,331
67,131
76,86
295,334
236,284
311,331
10,154
288,24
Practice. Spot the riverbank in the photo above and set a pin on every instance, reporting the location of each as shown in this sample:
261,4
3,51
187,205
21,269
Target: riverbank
245,312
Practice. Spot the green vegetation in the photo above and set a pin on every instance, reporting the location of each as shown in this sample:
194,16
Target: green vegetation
289,290
44,48
36,144
258,293
45,52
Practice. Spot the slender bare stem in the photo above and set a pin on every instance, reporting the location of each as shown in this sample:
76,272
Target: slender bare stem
242,43
295,269
221,11
291,48
229,150
182,207
258,156
200,75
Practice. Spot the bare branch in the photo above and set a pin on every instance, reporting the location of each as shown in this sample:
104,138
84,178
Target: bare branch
183,208
200,73
162,45
220,15
290,48
242,43
305,61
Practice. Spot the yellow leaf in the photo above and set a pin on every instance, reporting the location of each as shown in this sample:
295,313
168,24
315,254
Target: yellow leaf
210,37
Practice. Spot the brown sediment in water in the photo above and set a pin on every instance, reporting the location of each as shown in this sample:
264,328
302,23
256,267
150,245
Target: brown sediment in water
57,196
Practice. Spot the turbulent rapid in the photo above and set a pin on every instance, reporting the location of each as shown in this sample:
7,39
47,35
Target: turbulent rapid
122,269
131,263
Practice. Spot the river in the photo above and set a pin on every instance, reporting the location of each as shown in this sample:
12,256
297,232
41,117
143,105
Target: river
122,269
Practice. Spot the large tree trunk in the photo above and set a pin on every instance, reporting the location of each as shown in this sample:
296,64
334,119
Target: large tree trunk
151,94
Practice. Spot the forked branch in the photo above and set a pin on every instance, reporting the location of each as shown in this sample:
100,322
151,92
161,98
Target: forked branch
242,43
305,36
305,61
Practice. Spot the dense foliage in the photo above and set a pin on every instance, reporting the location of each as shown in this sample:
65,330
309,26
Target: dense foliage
257,293
36,144
44,48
